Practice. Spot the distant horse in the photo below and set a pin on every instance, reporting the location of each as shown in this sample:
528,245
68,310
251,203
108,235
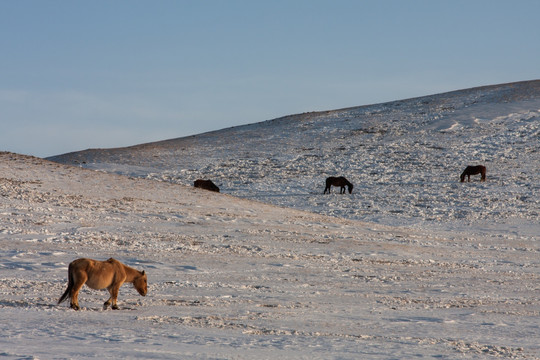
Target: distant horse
206,184
474,170
338,181
97,275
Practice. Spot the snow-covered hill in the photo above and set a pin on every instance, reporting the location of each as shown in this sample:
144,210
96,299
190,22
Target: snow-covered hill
413,264
404,157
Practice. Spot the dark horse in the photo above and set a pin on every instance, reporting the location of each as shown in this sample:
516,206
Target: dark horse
474,170
206,184
338,181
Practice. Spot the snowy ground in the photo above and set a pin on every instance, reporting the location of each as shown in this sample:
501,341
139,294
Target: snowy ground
413,264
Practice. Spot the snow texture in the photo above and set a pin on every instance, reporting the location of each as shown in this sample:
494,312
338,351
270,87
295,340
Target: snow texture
412,264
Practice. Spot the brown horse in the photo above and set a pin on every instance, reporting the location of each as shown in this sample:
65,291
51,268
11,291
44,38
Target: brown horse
97,275
206,184
338,181
474,170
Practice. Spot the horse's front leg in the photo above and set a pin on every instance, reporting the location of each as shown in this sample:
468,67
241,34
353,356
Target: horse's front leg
107,303
113,291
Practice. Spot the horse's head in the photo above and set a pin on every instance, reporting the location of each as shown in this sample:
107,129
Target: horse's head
141,283
350,188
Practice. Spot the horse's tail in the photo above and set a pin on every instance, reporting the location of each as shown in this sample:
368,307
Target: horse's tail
69,287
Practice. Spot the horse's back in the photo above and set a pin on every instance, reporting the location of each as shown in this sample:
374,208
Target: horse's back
82,264
206,184
99,274
337,181
91,264
475,169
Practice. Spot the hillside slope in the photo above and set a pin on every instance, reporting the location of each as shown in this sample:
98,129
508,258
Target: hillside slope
404,157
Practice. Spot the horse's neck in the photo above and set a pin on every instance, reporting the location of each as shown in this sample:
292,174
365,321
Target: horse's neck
131,273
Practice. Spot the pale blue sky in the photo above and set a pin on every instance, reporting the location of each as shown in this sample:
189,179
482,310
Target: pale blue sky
82,74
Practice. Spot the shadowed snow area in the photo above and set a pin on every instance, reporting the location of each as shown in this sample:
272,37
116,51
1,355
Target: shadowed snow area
412,264
403,157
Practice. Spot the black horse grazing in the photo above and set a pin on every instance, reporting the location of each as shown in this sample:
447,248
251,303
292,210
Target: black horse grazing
474,170
206,184
338,181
